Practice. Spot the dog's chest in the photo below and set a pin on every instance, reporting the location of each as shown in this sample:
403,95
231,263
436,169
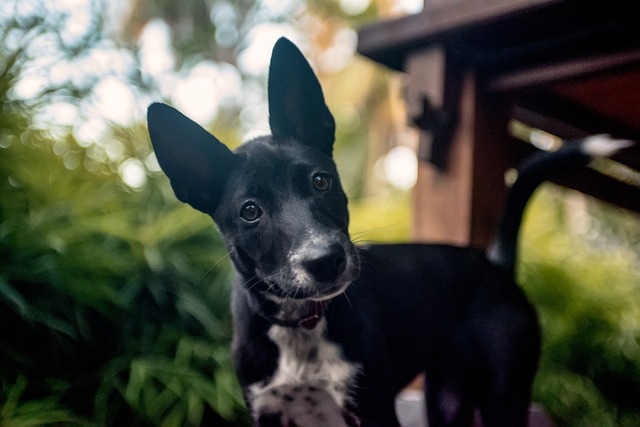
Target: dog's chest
312,381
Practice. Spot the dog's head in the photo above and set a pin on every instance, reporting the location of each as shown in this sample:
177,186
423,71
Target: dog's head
277,199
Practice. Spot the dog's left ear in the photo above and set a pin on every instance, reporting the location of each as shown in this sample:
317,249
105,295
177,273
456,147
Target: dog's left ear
296,104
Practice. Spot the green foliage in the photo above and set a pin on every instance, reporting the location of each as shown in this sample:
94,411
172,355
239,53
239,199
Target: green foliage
15,412
586,291
117,300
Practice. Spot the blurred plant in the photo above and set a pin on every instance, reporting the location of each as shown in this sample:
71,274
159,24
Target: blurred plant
114,302
585,284
110,298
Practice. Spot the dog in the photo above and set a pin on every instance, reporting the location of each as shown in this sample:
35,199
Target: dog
327,333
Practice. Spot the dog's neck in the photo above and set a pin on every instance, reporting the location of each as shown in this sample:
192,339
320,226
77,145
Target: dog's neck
305,314
287,312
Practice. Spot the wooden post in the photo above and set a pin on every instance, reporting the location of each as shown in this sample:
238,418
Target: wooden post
443,197
462,204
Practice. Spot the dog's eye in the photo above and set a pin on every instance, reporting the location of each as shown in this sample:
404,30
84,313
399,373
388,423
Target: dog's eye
321,181
250,212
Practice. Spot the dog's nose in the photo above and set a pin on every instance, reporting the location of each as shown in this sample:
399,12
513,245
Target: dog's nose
326,264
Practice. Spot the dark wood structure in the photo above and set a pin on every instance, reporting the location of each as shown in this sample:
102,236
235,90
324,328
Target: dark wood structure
568,67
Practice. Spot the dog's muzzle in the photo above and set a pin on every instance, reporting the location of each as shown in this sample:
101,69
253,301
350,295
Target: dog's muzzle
321,268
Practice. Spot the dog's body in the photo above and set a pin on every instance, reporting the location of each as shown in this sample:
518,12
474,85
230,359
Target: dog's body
413,308
326,334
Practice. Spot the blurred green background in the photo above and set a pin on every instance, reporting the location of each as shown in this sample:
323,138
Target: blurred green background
114,296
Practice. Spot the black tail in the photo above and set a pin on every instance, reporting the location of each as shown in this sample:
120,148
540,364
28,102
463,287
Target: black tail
532,173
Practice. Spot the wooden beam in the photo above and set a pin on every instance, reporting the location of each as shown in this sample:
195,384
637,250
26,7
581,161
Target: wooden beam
389,41
541,74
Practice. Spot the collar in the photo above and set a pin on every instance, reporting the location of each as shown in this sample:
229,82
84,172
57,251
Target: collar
289,313
312,314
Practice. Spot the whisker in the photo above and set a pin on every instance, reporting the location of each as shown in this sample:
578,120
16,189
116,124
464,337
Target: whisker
206,273
373,230
353,189
347,298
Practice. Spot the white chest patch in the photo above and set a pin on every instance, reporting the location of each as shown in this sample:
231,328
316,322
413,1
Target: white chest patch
312,381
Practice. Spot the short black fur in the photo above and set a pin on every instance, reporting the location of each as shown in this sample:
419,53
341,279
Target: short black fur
326,333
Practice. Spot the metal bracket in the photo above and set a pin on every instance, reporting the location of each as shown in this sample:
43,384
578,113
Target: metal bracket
440,124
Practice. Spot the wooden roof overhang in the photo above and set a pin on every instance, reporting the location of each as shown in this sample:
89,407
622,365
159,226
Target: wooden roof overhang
569,67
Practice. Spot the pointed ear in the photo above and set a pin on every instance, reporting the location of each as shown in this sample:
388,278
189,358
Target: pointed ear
296,103
196,163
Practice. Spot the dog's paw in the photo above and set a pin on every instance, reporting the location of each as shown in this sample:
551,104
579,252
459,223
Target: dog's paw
300,406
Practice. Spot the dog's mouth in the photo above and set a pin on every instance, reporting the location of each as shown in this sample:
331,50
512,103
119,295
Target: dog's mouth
276,292
304,313
300,300
331,295
316,271
315,311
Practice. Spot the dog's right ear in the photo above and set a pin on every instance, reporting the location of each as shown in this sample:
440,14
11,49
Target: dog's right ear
196,163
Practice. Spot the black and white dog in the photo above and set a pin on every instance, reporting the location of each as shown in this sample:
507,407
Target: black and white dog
326,333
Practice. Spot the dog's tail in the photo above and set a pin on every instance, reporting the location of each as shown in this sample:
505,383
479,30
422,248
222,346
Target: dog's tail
533,172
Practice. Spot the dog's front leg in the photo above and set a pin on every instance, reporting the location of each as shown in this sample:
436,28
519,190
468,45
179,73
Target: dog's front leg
299,406
383,415
374,398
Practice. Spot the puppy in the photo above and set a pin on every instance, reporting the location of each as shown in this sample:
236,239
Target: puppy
327,333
